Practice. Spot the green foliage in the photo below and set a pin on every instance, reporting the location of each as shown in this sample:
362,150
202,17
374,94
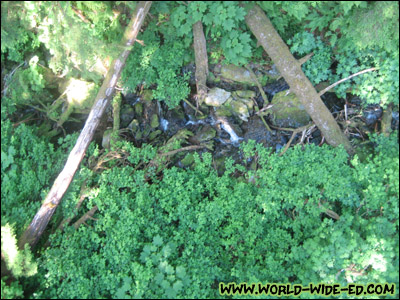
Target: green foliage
11,291
372,26
160,64
377,87
317,69
20,263
16,41
83,40
223,22
179,234
294,12
26,87
28,165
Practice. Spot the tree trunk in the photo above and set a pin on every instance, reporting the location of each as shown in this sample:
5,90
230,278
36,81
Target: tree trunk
200,51
291,70
53,198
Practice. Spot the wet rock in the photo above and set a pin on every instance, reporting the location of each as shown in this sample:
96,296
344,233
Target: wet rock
223,111
126,115
332,102
275,87
240,75
372,114
287,111
134,125
244,94
176,120
131,98
139,109
154,134
255,130
217,97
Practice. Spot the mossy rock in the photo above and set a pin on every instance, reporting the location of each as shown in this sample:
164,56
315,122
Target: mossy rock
147,95
288,111
187,160
154,123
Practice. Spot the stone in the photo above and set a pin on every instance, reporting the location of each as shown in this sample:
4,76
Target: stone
239,108
139,109
147,95
287,111
126,115
240,75
154,134
217,97
206,133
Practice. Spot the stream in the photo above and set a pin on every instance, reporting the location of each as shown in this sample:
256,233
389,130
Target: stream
223,127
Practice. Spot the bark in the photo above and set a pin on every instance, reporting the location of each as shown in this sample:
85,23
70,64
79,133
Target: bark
291,70
200,51
53,198
386,123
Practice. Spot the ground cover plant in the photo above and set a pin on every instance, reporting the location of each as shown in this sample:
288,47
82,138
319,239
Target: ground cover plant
151,217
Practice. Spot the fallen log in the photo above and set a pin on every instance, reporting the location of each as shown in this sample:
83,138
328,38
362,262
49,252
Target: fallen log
201,58
53,198
291,70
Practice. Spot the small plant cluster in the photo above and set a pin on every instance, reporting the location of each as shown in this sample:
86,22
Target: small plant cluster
28,165
377,87
308,216
317,69
158,64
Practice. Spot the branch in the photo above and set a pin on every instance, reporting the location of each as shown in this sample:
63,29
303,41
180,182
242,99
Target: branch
85,217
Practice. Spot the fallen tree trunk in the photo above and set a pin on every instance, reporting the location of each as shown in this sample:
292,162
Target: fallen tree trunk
53,198
200,52
291,70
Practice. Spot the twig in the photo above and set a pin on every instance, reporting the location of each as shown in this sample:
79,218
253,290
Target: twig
191,105
80,15
344,79
306,58
261,117
188,148
295,131
254,77
88,215
9,76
